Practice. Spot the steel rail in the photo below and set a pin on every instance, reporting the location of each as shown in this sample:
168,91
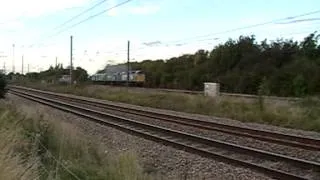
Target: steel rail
263,135
177,138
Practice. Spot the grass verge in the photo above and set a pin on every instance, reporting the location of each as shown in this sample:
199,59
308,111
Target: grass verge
33,147
301,115
16,160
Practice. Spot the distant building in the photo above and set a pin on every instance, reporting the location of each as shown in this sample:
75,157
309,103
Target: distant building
65,79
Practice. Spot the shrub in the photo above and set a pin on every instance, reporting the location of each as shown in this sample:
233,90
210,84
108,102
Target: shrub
3,85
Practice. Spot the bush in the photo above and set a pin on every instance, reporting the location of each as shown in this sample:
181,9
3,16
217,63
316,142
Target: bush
3,85
261,110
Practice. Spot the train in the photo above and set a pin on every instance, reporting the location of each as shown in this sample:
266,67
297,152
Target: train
117,75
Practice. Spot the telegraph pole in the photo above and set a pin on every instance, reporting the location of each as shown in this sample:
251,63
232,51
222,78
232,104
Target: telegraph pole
4,67
56,62
4,63
22,65
71,59
128,61
13,68
28,68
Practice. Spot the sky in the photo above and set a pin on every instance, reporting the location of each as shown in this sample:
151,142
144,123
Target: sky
40,30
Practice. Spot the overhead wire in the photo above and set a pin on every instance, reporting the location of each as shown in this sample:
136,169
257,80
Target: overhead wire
171,42
84,20
197,38
222,32
200,41
81,13
91,17
252,26
299,21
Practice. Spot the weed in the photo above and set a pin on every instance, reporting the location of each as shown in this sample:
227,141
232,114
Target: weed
304,115
35,147
16,160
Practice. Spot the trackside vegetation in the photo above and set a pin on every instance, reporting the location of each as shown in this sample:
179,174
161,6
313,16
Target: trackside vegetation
304,114
33,147
282,67
3,85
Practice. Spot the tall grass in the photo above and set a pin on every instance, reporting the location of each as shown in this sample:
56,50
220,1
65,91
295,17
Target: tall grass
290,115
35,147
16,160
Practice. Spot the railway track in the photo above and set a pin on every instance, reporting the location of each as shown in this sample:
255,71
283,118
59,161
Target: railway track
268,136
231,153
237,95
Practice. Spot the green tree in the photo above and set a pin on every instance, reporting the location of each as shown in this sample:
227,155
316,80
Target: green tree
3,85
299,85
281,67
80,74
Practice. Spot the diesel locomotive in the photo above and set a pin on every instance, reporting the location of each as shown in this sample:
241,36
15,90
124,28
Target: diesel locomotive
117,75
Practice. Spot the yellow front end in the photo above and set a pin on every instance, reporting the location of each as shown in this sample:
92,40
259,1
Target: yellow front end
140,78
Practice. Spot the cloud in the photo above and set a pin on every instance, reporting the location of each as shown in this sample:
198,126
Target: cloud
144,9
11,25
151,44
35,8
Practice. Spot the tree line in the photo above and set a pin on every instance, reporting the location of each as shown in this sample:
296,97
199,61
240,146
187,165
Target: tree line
281,67
50,75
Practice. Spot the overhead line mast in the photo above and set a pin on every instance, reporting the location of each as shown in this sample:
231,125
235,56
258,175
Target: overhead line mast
82,21
71,57
128,61
13,67
22,65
